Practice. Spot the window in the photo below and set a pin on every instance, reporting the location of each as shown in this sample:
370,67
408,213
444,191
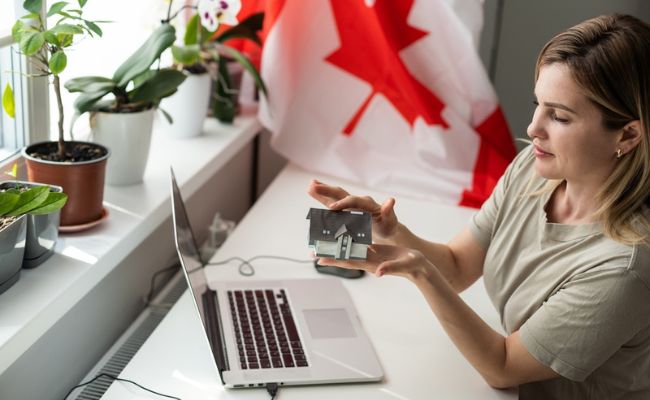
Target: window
36,110
30,95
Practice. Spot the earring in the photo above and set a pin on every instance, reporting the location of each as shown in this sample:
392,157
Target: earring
619,153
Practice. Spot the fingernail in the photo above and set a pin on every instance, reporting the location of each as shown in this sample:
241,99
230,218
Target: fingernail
380,273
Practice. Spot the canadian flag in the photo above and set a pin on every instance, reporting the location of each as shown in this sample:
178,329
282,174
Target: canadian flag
388,93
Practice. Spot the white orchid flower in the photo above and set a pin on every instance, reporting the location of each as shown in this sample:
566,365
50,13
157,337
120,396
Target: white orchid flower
215,12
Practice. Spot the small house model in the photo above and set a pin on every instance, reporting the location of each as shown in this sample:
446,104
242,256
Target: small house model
343,235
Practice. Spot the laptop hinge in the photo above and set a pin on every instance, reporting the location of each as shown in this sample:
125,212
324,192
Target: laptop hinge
215,331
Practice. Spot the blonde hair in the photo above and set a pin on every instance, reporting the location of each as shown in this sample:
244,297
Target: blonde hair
609,57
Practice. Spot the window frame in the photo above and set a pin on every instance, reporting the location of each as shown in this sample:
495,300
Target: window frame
31,97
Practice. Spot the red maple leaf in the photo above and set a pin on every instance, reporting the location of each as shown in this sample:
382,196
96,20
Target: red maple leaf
371,40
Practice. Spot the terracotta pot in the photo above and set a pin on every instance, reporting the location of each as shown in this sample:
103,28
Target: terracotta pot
83,182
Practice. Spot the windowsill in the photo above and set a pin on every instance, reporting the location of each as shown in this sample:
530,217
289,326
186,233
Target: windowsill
45,294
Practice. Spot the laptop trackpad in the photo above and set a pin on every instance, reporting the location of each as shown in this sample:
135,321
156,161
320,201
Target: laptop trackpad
329,323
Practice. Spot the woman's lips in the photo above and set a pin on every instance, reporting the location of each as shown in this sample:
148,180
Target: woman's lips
541,153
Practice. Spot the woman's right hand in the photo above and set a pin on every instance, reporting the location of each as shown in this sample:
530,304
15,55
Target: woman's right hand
384,220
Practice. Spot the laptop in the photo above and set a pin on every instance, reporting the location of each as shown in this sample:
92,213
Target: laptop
287,332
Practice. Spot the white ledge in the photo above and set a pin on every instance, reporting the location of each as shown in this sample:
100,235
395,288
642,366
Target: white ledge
45,294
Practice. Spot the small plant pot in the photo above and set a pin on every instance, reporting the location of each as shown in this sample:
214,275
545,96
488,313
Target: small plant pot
128,135
12,250
42,230
187,108
82,181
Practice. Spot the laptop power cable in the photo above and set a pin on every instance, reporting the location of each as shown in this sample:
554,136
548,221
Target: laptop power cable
272,388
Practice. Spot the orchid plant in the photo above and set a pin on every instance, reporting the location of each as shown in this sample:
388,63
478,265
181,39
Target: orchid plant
204,46
135,85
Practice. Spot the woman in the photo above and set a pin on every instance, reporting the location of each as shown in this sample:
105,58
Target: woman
562,243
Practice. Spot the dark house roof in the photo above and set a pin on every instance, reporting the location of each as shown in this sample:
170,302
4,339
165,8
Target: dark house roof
328,225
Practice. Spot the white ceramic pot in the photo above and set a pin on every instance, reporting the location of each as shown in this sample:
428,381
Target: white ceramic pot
187,107
128,136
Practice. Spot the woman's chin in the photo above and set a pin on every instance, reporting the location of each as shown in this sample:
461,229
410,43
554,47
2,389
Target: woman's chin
545,172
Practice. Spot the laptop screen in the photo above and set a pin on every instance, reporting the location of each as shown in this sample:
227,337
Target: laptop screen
190,258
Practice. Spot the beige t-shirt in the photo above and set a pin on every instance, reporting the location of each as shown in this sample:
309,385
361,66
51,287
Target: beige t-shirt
580,300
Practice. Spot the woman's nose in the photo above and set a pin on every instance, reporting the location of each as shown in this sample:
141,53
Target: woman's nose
534,128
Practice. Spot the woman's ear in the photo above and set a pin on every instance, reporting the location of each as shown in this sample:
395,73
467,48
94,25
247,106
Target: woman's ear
631,136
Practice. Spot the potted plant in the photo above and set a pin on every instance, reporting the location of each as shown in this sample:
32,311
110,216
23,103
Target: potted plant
203,58
225,92
78,167
43,227
17,204
122,106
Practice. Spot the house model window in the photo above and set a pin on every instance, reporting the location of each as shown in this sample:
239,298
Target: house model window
343,235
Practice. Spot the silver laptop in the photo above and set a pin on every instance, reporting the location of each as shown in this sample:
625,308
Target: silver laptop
288,332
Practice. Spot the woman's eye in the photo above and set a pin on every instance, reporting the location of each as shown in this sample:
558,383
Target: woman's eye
554,117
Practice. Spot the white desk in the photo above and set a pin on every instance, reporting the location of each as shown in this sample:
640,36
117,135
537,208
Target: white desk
419,360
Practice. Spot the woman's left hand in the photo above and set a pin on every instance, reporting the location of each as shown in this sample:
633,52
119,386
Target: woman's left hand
383,259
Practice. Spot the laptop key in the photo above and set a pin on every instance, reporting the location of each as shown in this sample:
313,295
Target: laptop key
288,360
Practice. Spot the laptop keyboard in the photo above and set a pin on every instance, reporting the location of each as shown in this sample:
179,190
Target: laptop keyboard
265,330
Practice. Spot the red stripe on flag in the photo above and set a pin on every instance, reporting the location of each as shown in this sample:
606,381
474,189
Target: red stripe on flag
496,151
271,12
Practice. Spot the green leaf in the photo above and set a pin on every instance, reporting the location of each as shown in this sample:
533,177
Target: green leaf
30,199
8,101
65,40
56,7
192,30
68,15
82,3
186,55
140,61
66,29
88,101
17,30
51,38
166,115
89,84
8,201
247,29
33,16
31,43
58,62
14,171
54,201
248,66
162,84
143,78
94,27
33,5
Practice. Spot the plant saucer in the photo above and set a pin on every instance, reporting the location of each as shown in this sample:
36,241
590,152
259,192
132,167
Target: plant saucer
87,225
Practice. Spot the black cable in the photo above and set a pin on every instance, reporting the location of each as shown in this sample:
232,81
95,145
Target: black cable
152,284
248,263
115,378
272,388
